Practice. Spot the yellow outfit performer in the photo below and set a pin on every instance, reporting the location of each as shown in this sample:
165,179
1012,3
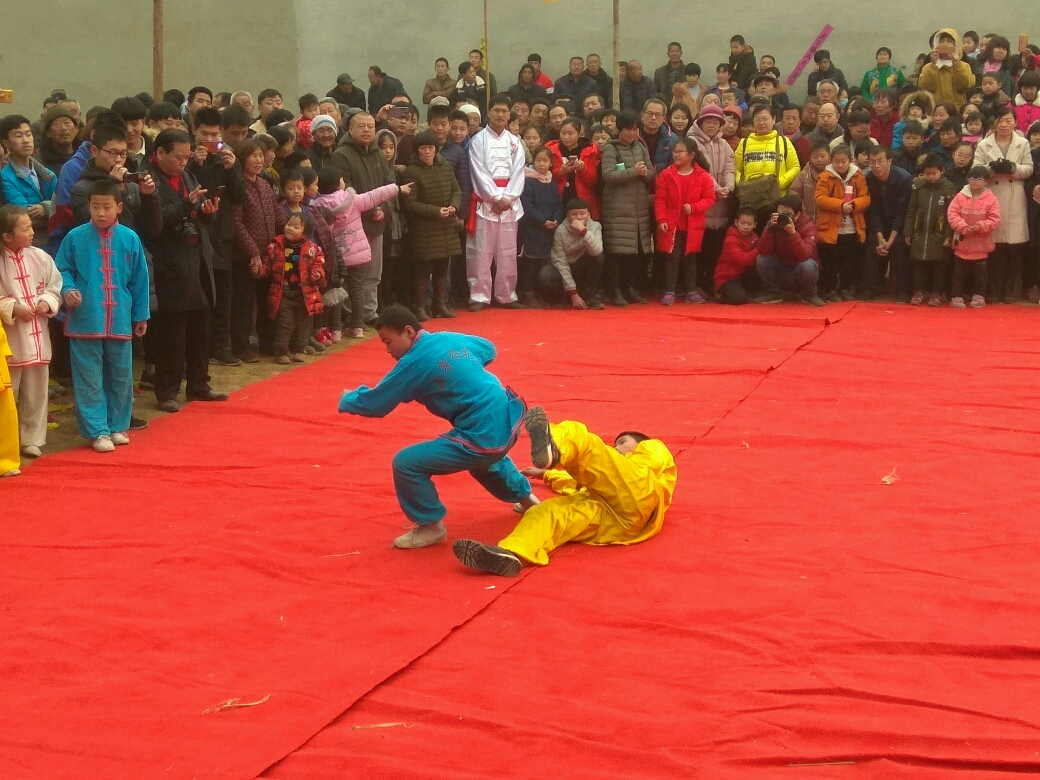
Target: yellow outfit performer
611,495
10,460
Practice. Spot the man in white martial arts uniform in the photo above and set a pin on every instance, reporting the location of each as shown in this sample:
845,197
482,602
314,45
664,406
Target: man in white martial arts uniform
496,164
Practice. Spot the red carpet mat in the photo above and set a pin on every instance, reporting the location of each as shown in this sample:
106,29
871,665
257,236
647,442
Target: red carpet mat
242,551
797,615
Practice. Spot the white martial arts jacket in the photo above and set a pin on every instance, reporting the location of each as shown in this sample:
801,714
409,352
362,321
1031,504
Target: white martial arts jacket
499,158
28,277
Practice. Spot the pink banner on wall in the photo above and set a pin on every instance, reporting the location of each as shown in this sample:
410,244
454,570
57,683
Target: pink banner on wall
807,57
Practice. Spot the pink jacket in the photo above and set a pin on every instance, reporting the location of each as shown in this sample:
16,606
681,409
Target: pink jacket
347,231
1026,113
965,211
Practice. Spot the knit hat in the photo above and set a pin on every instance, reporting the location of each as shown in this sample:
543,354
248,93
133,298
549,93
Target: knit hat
470,109
56,112
440,100
710,111
323,120
425,138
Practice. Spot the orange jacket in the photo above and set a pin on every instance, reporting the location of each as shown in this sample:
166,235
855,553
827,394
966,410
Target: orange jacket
830,197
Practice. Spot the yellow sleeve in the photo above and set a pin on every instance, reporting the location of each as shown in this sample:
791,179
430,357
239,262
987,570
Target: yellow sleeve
560,482
5,352
791,168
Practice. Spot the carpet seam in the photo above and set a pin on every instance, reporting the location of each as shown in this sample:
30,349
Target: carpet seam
827,323
406,667
401,670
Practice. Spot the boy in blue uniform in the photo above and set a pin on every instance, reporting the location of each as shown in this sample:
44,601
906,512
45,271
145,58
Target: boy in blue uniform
105,287
446,373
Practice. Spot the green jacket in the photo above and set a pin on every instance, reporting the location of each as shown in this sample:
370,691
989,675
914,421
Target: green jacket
432,237
876,79
926,222
365,170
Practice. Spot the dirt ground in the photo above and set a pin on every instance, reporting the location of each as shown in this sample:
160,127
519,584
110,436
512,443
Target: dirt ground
224,379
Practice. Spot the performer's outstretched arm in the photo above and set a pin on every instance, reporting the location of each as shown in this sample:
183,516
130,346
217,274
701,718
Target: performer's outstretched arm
397,387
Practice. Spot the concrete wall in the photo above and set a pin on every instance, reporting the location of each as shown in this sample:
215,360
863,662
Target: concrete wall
404,38
98,50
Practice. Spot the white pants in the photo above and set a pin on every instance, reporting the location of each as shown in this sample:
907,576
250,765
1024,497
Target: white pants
493,241
29,384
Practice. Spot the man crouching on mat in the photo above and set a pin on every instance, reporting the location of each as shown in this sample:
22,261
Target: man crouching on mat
612,495
445,373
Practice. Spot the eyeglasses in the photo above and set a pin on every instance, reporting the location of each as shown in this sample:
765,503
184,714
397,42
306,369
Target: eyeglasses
653,114
121,155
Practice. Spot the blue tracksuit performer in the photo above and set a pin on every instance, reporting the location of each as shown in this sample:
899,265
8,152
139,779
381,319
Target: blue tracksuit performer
446,373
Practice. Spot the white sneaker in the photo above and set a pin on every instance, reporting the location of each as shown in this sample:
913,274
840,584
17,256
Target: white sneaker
422,536
11,473
103,444
120,438
31,451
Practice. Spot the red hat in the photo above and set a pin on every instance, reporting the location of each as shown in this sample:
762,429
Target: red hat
735,110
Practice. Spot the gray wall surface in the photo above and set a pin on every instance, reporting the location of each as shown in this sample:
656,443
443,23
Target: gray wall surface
99,50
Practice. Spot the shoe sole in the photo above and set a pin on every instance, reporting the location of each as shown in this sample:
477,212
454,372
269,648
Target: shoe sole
481,557
536,421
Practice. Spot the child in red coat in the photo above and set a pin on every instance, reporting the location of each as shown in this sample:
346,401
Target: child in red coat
739,252
297,269
684,193
589,184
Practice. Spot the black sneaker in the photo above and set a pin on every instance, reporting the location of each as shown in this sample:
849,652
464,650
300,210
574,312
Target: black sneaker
634,296
544,453
813,300
617,299
769,297
251,355
486,557
596,304
137,424
225,357
147,378
208,395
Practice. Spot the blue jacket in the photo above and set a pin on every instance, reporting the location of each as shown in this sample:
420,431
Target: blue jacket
541,203
889,201
63,219
665,145
445,373
21,190
111,273
458,159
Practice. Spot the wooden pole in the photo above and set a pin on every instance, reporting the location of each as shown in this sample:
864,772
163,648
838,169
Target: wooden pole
157,49
487,58
617,55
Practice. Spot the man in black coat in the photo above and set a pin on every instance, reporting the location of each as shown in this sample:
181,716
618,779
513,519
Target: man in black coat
382,90
215,167
182,257
346,93
636,88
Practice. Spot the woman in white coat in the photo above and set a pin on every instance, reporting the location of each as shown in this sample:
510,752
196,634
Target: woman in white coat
1006,154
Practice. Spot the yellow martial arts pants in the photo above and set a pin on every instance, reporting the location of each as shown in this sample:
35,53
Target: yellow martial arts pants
619,500
9,457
